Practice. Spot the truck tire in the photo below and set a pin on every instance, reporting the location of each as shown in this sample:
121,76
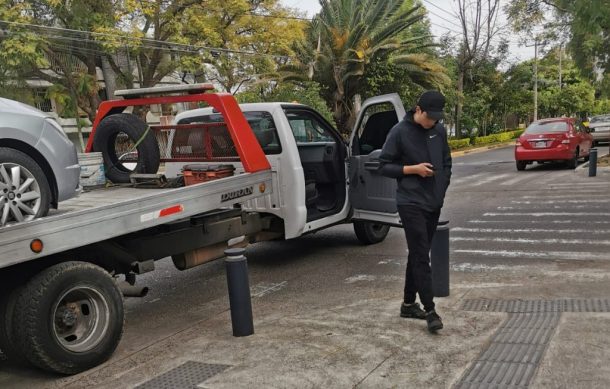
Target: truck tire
23,203
131,129
370,233
7,334
69,318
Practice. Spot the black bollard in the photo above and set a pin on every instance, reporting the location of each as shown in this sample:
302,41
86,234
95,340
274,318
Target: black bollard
439,260
239,292
592,162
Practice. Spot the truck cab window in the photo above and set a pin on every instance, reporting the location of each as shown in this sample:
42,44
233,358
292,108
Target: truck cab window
262,125
306,128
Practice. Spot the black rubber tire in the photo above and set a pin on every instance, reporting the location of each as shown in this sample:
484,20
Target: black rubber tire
37,310
148,149
7,334
521,165
572,163
370,233
19,158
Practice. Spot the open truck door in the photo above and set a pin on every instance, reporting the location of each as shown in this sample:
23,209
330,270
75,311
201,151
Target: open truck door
373,196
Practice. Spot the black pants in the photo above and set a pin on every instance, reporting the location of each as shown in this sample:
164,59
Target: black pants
419,226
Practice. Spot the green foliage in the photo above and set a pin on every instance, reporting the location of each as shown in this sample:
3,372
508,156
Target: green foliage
456,144
586,22
307,93
353,34
496,138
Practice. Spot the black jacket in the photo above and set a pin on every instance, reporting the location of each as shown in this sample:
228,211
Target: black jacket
408,143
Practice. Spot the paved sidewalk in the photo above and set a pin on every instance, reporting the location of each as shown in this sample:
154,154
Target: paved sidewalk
347,333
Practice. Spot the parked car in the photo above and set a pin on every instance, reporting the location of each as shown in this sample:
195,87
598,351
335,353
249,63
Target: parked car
600,128
38,163
559,139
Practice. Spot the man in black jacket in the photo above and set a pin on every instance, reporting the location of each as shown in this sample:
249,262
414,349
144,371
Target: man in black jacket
416,153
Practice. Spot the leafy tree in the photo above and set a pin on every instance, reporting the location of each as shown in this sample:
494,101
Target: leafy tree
585,24
51,53
308,93
479,27
262,27
348,35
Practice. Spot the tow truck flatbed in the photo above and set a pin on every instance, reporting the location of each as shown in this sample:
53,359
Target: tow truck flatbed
103,214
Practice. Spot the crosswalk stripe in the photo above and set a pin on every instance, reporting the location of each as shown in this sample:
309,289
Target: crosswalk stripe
531,241
540,221
515,180
581,184
528,230
551,207
568,196
536,254
542,214
560,201
465,180
494,177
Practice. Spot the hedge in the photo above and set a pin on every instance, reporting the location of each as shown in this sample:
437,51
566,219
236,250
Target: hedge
500,137
459,143
456,144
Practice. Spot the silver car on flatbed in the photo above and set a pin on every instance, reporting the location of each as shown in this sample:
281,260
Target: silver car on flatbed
38,163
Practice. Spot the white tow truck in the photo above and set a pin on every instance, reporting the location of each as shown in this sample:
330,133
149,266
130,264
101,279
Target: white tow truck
61,301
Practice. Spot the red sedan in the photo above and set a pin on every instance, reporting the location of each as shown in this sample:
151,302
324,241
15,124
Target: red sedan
561,139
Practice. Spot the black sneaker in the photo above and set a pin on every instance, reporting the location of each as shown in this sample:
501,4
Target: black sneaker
412,311
434,321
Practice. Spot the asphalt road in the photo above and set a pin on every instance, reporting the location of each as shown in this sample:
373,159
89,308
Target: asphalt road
500,218
545,213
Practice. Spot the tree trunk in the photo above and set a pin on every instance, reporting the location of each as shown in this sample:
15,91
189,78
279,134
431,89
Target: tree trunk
459,102
79,128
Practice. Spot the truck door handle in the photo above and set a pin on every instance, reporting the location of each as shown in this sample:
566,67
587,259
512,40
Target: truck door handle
373,165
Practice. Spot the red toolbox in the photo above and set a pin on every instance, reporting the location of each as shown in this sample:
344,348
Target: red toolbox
196,173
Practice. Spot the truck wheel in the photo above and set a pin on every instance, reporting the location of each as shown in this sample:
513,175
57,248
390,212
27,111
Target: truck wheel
115,138
7,335
370,233
69,318
24,190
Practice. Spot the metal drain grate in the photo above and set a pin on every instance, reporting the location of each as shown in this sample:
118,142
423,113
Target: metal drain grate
514,353
185,376
517,347
538,306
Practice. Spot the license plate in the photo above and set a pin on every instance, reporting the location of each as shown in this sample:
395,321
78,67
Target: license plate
540,145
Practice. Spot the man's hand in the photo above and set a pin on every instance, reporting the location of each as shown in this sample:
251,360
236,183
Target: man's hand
423,169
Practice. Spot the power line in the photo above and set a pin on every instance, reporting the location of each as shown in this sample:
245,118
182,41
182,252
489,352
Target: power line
446,28
448,21
76,33
436,6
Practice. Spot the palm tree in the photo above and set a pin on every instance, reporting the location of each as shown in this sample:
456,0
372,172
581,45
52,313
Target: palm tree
348,34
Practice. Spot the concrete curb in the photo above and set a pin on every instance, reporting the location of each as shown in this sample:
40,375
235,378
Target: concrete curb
460,153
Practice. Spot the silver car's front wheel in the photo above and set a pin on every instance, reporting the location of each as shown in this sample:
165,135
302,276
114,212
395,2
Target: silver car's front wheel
24,190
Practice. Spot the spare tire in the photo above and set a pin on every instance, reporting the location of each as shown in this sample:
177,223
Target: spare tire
128,146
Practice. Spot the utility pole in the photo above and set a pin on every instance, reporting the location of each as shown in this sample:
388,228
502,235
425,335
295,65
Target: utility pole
535,77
